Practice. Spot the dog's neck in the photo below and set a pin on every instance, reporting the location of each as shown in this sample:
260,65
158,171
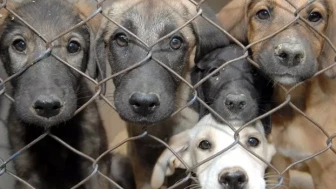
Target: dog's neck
319,90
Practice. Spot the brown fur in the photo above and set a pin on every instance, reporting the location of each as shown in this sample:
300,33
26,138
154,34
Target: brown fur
144,152
294,135
91,140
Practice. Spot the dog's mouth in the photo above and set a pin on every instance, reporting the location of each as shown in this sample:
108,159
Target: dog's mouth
150,120
45,115
48,120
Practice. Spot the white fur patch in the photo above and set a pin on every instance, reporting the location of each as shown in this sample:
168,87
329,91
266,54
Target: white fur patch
221,136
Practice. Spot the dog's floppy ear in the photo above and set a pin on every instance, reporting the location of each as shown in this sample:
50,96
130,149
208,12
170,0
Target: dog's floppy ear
168,162
196,76
93,69
233,19
208,37
199,72
328,55
267,121
269,147
100,47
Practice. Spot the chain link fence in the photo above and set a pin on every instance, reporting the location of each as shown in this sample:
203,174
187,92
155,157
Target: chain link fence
99,95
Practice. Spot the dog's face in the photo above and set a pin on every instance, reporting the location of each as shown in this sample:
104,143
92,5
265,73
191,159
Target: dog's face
235,91
147,93
45,94
291,55
235,168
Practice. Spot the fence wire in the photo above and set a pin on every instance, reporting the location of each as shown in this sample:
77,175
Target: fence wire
100,95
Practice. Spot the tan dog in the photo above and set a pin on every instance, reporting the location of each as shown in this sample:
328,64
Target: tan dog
289,57
148,94
236,168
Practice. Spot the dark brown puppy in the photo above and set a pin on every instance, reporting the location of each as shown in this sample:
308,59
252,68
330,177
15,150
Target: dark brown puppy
149,94
289,57
47,95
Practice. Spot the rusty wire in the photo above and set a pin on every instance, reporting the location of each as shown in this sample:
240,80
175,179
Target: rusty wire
98,93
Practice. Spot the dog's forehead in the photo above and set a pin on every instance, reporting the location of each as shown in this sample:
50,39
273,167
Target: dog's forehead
209,127
150,19
289,5
41,15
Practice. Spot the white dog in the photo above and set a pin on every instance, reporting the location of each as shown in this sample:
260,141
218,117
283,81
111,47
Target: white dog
234,169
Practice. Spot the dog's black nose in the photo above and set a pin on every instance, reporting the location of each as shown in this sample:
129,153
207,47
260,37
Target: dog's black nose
144,104
47,106
233,179
290,55
235,103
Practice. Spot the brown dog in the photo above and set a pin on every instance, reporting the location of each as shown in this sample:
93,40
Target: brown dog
48,93
148,94
289,57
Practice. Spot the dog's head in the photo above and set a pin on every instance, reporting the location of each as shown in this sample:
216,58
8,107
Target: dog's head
292,55
147,93
45,93
235,168
236,92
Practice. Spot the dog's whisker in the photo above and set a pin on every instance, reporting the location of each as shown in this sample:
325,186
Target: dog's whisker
270,176
192,185
272,186
196,187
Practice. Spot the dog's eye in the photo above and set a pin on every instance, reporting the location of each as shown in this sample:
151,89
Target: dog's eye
20,45
263,14
314,16
212,70
176,43
253,142
204,145
73,47
121,39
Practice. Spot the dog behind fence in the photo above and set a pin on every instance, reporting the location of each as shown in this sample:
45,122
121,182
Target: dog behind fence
246,37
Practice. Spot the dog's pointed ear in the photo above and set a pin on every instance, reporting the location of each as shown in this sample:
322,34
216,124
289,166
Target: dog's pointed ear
328,56
168,162
233,19
94,68
208,37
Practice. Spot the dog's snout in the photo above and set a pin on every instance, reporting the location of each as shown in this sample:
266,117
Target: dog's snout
235,103
144,104
290,55
233,178
47,106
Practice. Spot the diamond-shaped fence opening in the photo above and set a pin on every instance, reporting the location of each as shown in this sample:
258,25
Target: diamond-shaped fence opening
101,95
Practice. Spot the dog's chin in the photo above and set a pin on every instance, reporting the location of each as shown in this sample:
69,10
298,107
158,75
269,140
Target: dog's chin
27,115
251,185
286,79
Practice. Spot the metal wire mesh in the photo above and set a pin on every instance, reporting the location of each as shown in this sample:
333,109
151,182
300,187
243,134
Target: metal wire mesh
100,95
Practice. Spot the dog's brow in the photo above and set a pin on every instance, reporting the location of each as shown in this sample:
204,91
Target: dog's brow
167,29
128,24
